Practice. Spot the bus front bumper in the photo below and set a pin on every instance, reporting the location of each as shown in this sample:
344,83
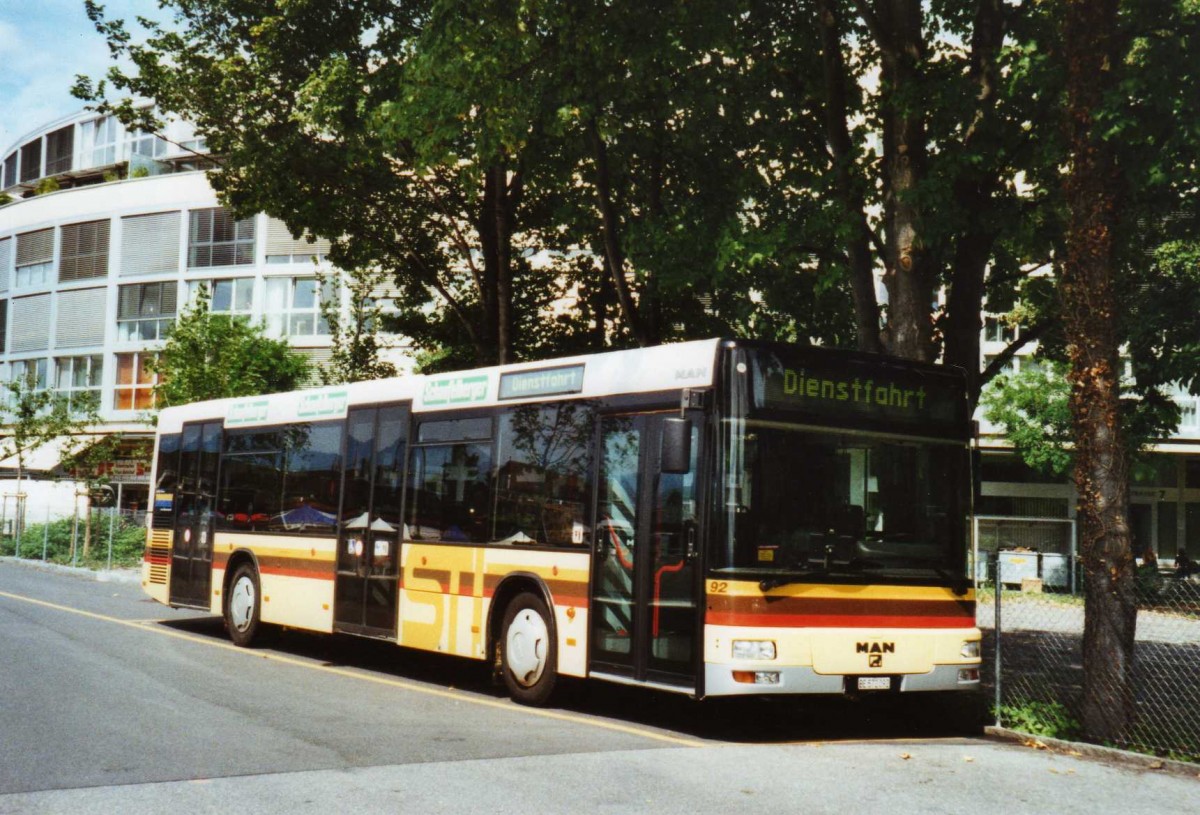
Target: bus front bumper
731,680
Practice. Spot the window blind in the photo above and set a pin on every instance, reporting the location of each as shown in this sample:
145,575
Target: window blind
150,244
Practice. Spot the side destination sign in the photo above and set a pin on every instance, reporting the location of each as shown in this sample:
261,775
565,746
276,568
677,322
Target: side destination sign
323,405
456,390
247,411
543,382
308,406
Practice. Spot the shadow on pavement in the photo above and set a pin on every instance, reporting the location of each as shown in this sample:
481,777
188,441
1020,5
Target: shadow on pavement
738,720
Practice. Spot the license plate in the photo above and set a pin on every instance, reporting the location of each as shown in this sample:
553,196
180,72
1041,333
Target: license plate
874,683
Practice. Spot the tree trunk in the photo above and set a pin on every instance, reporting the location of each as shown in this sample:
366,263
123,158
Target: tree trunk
907,272
614,256
1089,305
851,200
487,350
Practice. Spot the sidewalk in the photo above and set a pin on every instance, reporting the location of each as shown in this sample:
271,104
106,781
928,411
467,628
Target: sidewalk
133,576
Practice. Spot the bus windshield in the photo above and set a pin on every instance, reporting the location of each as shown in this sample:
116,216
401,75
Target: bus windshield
828,505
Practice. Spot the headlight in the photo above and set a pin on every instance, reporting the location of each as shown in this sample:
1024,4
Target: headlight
753,649
970,650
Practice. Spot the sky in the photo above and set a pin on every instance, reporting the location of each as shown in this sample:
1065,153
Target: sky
43,45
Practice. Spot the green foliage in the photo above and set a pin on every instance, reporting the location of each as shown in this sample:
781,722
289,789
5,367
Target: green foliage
5,198
214,356
32,416
47,184
1032,407
354,334
128,540
1049,719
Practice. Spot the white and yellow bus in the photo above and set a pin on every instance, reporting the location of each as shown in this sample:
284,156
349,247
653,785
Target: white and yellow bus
715,518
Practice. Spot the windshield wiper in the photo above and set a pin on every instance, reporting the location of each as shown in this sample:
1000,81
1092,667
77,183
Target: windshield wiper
854,568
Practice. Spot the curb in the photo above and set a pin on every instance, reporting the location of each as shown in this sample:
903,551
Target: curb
131,576
1112,755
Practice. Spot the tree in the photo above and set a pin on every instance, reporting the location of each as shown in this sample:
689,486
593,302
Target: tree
341,118
1092,184
33,416
354,332
214,356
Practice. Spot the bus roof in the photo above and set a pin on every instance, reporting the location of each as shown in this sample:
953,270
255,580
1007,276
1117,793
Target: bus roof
640,370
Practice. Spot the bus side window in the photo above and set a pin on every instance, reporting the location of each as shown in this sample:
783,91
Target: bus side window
449,484
543,474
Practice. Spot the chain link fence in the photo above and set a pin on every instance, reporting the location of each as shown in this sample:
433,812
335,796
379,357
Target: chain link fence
105,538
1036,674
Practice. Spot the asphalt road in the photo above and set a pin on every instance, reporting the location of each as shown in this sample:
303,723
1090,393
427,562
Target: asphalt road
112,703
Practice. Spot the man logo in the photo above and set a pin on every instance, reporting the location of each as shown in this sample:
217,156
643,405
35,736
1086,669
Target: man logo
875,661
875,648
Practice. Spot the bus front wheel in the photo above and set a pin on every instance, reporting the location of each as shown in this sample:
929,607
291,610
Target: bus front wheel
242,606
528,651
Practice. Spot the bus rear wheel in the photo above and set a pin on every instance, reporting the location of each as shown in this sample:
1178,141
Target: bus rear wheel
242,606
528,650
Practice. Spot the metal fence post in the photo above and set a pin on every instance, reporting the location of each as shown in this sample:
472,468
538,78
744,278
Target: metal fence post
999,638
46,535
112,520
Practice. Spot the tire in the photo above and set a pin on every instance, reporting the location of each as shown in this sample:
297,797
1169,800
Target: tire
242,606
529,650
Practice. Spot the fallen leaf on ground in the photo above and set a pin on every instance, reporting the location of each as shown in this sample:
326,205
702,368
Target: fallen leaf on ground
906,756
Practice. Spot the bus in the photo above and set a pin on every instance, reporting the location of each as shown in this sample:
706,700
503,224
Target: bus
715,518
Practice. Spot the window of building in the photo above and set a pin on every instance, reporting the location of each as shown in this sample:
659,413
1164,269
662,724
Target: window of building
99,138
3,326
282,248
146,144
134,389
31,160
84,251
998,330
294,306
35,258
79,378
150,244
228,296
216,239
34,369
60,150
146,310
10,170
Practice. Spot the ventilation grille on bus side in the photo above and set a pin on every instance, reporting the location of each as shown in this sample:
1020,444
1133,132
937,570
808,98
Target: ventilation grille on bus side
159,555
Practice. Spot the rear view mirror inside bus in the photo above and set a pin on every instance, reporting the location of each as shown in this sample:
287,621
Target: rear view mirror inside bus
677,446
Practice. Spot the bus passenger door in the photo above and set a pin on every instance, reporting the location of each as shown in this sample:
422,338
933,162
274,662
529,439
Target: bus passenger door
644,601
195,501
369,532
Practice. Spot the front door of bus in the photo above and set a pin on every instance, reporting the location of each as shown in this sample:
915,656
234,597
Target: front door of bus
195,501
368,560
644,607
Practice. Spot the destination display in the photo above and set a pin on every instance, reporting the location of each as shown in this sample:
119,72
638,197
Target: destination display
542,382
840,387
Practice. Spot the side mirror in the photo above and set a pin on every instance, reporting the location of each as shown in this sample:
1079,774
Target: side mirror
677,446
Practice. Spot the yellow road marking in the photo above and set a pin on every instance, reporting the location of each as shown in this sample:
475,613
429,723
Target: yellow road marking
458,696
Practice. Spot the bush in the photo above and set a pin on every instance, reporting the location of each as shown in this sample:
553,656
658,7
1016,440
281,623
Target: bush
128,541
1049,719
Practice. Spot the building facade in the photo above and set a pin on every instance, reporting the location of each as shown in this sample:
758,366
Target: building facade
96,264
